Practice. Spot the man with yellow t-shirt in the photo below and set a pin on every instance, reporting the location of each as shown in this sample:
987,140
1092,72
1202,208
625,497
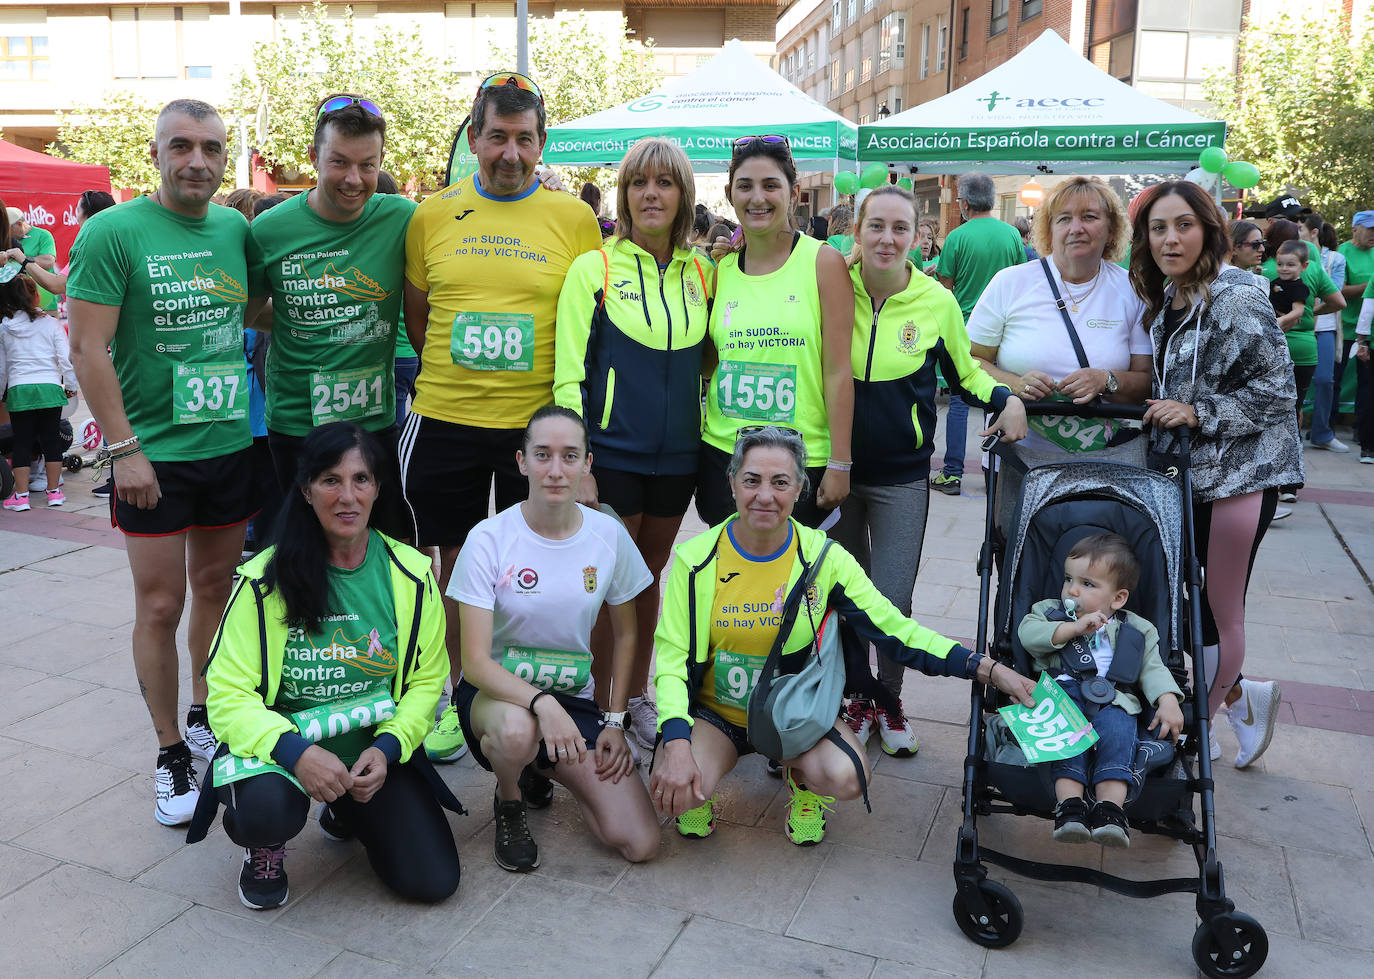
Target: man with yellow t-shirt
485,261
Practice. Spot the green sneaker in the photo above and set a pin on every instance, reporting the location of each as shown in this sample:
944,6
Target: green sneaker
948,485
699,822
446,742
806,814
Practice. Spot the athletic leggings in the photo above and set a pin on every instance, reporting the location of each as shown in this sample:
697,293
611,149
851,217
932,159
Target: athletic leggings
883,527
407,838
1228,534
43,423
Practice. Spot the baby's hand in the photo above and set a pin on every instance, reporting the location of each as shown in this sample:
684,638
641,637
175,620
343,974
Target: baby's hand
1168,718
1090,622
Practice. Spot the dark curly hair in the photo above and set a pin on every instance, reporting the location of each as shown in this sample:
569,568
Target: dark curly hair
1147,279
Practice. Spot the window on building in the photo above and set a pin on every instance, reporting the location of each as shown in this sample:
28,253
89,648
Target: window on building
1163,54
834,80
144,42
23,58
899,41
925,51
869,5
852,11
896,105
885,29
864,119
848,79
865,69
941,42
1030,8
836,16
998,23
963,34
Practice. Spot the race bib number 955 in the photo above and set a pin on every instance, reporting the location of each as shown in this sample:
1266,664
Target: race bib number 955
209,393
493,341
553,670
736,676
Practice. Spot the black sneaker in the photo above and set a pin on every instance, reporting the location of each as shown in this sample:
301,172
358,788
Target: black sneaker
515,847
1071,821
332,826
775,768
262,881
535,789
1108,823
104,491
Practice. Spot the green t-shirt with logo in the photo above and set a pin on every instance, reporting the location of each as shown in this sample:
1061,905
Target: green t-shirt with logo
976,251
39,241
351,653
1302,341
181,285
1359,269
336,303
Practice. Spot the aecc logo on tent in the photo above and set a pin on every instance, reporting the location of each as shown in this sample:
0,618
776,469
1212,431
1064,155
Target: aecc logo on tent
1072,102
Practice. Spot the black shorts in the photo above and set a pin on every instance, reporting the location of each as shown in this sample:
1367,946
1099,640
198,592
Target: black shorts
739,736
393,513
714,502
630,494
207,493
447,472
584,713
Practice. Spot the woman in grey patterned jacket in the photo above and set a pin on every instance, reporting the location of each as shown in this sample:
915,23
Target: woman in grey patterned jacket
1222,368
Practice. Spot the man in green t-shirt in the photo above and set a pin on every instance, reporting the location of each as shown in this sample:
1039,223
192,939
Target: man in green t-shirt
1359,269
37,244
332,260
156,300
972,254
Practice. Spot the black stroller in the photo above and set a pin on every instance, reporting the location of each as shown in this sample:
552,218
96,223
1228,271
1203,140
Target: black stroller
1060,502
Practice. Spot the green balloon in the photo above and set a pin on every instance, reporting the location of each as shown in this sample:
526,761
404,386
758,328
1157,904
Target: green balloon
875,175
846,182
1241,174
904,183
1212,159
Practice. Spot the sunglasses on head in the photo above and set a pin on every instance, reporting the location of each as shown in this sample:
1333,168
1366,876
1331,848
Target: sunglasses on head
755,429
336,102
770,139
523,82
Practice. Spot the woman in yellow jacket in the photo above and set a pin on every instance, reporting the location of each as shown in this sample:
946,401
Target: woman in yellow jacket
323,680
905,325
631,327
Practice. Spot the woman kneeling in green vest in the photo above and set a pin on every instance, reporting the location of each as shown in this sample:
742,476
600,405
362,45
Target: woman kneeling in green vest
323,680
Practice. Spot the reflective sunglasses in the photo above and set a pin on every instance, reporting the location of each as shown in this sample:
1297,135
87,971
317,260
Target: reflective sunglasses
336,102
523,82
770,139
755,429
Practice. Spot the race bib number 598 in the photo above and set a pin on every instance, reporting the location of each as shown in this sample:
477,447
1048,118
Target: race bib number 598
493,341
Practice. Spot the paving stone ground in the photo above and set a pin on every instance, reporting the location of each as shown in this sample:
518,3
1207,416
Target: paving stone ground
91,885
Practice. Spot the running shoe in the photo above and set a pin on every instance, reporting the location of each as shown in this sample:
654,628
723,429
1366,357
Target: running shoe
948,485
446,742
899,740
516,850
535,789
1071,821
644,721
806,814
262,881
18,502
332,826
1335,445
1286,496
1253,717
699,822
858,714
1213,746
56,497
177,789
1282,513
1367,457
104,490
1108,823
202,741
774,768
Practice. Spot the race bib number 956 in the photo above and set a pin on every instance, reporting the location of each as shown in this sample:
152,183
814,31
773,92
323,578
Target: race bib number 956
209,393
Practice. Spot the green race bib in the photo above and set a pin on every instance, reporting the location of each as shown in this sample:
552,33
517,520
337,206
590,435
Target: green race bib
330,720
757,392
1054,730
736,676
554,670
493,341
209,393
1072,434
346,395
231,768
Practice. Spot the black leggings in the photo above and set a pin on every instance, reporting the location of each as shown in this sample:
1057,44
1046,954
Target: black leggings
407,838
42,423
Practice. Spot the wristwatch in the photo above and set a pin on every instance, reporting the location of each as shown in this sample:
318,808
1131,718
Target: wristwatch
1112,383
613,719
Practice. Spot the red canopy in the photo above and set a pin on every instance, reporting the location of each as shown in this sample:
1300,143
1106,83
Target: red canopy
47,188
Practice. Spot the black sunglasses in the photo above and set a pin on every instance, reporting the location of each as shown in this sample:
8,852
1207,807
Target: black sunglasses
771,141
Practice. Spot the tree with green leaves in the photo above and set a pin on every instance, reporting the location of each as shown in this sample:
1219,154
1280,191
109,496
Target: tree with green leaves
1301,108
314,57
115,133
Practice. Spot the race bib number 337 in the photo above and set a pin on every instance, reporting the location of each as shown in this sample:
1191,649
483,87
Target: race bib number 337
493,341
209,393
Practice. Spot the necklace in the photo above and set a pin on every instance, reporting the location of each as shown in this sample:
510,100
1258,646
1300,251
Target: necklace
1074,301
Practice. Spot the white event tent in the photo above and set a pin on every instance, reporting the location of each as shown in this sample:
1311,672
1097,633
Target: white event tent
1046,109
732,95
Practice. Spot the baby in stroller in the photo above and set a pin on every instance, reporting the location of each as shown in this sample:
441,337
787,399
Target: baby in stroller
1106,659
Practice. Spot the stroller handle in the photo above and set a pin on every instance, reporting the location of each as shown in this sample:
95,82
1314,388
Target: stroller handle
1093,409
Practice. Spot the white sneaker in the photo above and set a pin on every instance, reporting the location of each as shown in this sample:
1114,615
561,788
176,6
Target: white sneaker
1335,445
177,791
643,721
1213,747
1281,513
858,714
898,738
1252,719
1288,497
202,741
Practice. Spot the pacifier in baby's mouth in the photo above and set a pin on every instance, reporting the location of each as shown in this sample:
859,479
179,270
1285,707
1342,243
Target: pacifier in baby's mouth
1071,608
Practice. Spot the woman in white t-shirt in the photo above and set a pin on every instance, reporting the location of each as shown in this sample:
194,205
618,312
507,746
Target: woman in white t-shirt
529,583
1018,332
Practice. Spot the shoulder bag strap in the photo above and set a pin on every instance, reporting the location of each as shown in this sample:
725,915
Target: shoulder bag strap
789,611
1064,312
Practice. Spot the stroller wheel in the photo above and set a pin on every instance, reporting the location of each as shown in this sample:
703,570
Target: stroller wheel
71,463
1001,926
1252,946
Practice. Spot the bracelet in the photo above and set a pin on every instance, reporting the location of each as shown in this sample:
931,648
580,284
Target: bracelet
839,467
127,453
132,440
542,693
